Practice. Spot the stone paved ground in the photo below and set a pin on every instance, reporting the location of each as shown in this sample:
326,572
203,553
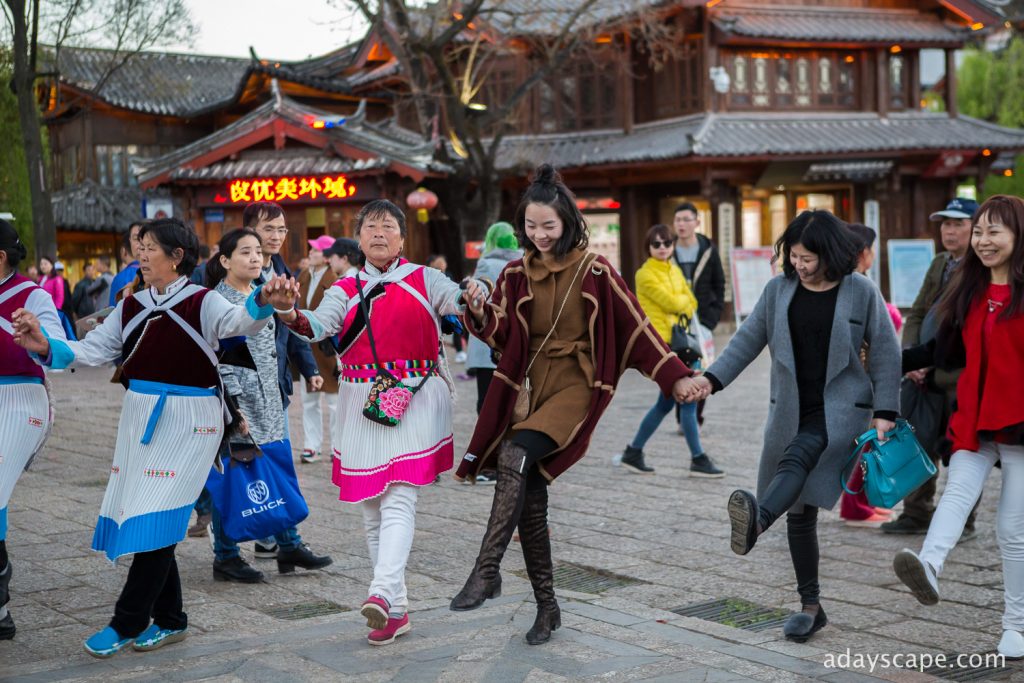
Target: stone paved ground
667,532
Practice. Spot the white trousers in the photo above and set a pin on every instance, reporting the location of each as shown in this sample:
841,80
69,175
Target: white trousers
390,522
313,421
967,474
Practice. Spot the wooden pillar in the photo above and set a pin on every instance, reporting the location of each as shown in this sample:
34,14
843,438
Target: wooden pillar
630,233
626,86
882,84
951,107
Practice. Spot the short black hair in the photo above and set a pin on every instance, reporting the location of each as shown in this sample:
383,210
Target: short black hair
204,252
260,211
379,208
863,236
823,234
172,234
686,206
659,231
547,189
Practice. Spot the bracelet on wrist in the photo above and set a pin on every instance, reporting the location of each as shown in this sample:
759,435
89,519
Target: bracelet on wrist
283,312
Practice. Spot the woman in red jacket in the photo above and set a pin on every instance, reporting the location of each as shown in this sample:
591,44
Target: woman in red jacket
982,330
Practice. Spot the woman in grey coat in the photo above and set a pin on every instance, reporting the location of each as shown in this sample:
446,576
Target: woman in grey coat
813,318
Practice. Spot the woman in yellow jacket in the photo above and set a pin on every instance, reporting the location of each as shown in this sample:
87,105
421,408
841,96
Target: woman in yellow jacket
664,296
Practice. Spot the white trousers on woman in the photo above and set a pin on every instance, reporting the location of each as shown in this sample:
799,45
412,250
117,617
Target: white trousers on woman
390,521
967,474
313,419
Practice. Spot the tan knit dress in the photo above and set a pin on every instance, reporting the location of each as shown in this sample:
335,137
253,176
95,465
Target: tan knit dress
562,376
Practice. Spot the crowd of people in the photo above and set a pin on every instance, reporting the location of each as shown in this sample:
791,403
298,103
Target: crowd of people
552,328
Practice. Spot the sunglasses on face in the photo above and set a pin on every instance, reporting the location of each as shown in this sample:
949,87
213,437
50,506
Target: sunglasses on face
658,244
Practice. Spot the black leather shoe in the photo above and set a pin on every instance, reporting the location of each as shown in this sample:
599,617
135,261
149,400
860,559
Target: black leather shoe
801,626
288,560
743,513
236,569
7,627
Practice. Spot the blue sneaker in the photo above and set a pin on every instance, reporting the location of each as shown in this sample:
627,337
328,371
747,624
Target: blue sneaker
106,643
155,637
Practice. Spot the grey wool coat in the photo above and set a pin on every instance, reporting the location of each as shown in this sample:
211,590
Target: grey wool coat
852,395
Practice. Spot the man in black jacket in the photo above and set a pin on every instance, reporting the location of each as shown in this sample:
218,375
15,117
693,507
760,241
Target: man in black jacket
698,257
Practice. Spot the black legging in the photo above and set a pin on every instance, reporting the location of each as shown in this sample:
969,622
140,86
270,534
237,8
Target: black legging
483,383
153,589
537,445
800,457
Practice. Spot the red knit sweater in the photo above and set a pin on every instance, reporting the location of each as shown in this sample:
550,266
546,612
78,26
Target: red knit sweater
990,394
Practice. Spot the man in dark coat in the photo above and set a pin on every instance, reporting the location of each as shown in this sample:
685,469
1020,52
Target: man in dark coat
698,258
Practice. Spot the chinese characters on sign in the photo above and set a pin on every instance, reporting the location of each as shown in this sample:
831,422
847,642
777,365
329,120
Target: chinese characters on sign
288,188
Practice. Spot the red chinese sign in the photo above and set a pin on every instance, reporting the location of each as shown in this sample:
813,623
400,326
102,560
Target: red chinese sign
289,188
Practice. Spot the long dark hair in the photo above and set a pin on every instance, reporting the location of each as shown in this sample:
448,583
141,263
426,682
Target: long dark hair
215,270
548,189
822,234
972,277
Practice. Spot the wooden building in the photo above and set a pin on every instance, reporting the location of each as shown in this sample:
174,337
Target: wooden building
764,109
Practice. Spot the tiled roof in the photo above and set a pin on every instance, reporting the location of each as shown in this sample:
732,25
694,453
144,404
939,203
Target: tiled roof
759,135
186,85
794,134
275,163
389,143
95,208
650,142
156,82
837,24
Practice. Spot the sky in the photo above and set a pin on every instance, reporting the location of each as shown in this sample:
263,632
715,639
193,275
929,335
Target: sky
284,30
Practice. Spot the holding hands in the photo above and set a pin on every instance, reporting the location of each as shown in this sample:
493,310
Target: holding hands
691,389
28,334
281,292
476,298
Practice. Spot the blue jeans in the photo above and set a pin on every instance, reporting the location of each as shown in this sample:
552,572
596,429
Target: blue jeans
657,413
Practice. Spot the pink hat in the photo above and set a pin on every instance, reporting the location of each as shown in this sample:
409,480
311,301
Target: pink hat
321,243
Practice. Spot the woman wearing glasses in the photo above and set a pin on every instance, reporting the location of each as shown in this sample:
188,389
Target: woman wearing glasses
665,297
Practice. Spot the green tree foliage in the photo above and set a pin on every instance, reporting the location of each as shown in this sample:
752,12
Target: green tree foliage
990,86
14,189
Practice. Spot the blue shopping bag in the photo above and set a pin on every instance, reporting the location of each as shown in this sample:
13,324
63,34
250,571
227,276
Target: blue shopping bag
257,493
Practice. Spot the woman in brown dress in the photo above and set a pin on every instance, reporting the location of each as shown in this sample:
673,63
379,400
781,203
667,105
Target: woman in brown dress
565,327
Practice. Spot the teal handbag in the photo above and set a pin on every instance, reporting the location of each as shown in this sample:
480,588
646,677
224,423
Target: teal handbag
893,469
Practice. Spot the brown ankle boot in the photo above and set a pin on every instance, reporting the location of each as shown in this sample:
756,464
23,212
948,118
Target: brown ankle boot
536,543
485,582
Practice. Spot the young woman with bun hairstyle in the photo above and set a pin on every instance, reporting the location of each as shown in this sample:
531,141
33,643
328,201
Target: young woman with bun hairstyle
981,329
564,327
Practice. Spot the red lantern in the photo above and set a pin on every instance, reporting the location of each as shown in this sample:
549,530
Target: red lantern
423,200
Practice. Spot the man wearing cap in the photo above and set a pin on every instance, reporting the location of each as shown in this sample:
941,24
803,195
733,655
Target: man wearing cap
919,326
314,282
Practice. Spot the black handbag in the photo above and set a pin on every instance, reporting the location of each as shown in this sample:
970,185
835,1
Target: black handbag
684,343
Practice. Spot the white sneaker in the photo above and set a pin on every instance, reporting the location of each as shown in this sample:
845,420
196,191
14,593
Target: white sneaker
460,357
1011,645
917,575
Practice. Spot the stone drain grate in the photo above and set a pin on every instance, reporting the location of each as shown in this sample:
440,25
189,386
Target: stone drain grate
980,667
737,613
582,579
305,610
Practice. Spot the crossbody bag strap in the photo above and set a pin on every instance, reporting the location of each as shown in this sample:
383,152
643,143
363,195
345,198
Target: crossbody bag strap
558,315
701,264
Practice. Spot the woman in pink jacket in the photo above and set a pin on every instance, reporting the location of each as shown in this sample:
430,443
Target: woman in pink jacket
52,282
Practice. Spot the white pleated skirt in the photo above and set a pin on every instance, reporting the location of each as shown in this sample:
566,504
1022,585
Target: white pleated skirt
24,422
153,487
368,457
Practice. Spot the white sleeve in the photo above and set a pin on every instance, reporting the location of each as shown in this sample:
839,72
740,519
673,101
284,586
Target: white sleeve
443,294
101,346
222,319
328,317
40,304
